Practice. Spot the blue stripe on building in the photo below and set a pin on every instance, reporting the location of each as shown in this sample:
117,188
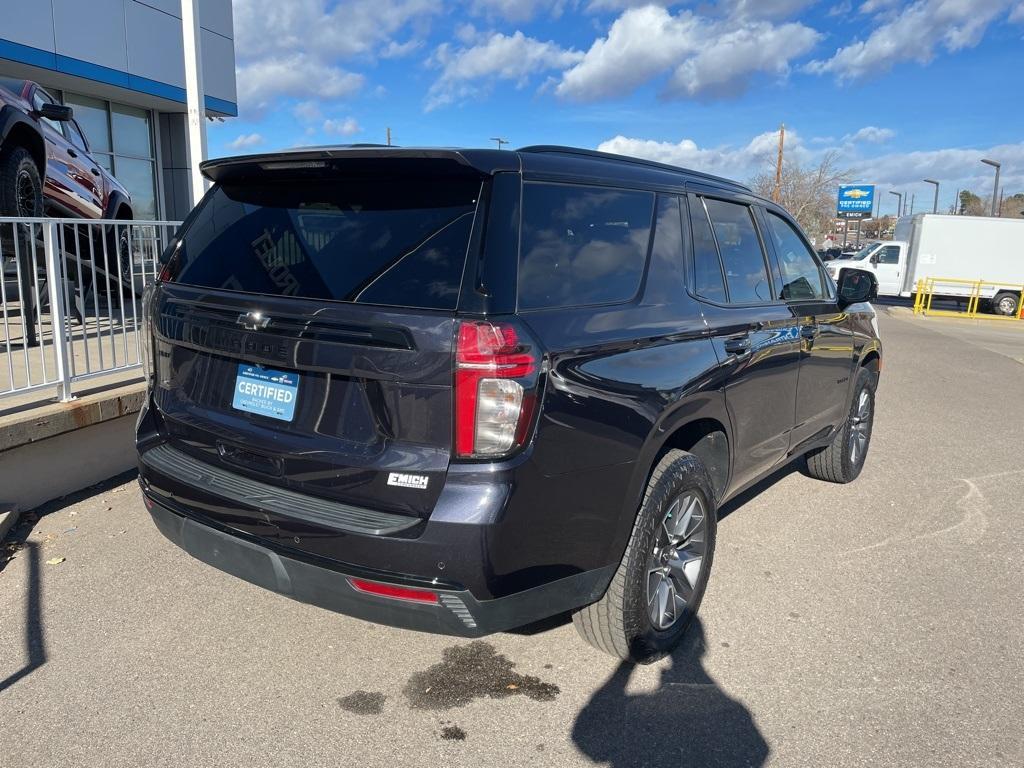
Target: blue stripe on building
36,57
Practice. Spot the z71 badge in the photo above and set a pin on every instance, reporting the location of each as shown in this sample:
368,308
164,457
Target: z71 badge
402,480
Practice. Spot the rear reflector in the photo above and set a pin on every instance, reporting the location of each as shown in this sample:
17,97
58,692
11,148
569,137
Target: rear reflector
395,593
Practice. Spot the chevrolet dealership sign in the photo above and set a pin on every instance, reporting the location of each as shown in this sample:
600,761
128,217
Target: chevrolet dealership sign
856,201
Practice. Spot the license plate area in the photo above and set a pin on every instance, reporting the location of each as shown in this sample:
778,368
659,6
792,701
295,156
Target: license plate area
266,392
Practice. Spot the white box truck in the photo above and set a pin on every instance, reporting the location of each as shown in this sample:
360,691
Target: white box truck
950,247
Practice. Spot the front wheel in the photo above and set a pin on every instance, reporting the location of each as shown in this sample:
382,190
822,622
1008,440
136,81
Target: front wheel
843,459
661,579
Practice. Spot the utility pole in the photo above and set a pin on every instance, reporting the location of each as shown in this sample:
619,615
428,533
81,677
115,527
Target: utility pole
777,192
500,141
389,136
935,206
913,198
957,204
195,133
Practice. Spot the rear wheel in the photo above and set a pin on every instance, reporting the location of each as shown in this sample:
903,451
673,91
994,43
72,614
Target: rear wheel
843,460
1005,303
660,582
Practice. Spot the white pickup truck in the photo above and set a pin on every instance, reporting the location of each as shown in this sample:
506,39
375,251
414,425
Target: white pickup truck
950,247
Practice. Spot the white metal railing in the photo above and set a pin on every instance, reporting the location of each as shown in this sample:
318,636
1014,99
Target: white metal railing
72,298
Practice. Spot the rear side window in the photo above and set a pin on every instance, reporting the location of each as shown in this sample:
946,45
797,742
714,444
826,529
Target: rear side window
582,245
746,272
708,277
395,242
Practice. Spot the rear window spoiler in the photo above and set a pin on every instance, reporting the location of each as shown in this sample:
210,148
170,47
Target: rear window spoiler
479,162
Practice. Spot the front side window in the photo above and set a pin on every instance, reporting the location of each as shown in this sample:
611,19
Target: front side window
746,272
582,245
41,98
801,277
889,255
74,135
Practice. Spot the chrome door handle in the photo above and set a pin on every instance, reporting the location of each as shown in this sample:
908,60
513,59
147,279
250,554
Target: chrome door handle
738,345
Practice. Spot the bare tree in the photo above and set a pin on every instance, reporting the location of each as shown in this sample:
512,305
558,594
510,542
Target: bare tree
807,192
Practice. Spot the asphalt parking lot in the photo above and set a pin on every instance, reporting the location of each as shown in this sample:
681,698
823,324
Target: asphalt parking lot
879,623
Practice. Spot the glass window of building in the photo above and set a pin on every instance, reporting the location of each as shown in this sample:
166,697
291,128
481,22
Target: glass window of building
121,140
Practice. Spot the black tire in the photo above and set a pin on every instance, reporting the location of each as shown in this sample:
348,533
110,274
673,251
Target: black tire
620,623
837,463
1006,303
21,187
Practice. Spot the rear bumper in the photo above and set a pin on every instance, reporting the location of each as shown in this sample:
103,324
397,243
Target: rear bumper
456,612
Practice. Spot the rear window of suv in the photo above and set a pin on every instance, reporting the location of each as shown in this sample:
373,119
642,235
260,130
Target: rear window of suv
394,242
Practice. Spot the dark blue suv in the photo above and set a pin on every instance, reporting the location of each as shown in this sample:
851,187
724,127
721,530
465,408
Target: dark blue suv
460,391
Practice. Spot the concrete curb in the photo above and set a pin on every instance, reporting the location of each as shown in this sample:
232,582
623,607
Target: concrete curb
9,515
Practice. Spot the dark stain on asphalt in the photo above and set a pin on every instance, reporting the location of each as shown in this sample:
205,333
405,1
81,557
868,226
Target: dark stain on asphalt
363,703
453,733
472,671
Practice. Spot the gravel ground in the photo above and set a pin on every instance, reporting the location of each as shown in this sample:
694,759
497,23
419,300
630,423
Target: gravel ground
879,623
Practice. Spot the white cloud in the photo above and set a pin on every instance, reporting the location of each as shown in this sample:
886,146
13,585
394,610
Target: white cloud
706,57
871,135
396,50
341,127
297,76
467,72
913,34
307,111
954,167
294,48
1017,14
246,141
735,162
747,9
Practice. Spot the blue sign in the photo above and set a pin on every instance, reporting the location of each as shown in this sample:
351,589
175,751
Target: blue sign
856,201
266,392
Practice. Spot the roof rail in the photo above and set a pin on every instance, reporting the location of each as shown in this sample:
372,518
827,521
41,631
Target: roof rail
559,150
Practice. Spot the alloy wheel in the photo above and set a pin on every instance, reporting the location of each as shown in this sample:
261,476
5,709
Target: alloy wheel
675,564
860,427
1008,305
26,194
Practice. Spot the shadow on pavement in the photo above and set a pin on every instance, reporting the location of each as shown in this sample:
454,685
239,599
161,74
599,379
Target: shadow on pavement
687,721
35,643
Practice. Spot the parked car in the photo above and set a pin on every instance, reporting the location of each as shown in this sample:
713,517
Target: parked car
46,168
461,391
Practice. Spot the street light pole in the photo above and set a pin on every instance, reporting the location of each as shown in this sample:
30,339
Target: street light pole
935,207
499,140
995,189
899,204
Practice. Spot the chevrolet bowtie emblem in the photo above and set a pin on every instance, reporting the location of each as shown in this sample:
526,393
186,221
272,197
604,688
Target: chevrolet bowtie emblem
253,321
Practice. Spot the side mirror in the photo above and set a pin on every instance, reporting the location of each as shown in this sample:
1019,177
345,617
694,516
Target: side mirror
856,286
57,112
874,258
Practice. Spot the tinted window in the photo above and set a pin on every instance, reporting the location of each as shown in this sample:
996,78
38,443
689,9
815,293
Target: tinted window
889,255
74,135
582,245
707,266
801,277
398,242
745,270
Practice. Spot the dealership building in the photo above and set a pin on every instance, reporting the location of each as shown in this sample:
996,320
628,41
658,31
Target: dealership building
121,65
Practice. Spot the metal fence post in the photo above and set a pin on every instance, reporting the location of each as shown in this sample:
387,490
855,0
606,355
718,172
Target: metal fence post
58,312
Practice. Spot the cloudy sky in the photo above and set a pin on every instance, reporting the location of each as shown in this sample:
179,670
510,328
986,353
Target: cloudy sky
904,90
